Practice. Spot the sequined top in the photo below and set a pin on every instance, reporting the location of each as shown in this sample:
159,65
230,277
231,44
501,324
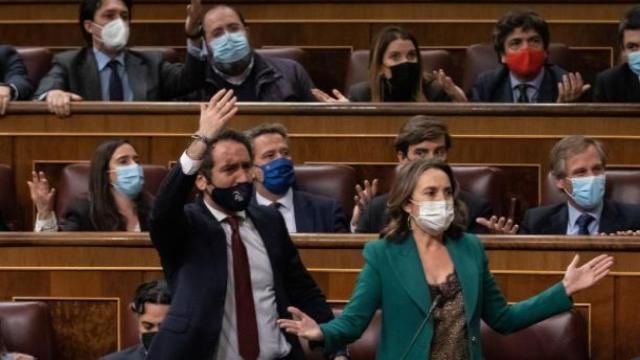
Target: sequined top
449,328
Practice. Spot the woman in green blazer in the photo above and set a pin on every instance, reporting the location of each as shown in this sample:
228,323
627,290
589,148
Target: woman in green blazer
432,281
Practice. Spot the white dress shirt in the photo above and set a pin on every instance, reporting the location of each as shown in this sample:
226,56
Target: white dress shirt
286,208
574,214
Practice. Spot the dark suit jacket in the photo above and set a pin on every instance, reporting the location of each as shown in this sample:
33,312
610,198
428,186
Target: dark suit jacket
151,77
375,216
361,92
132,353
192,247
618,84
495,86
76,217
13,71
553,219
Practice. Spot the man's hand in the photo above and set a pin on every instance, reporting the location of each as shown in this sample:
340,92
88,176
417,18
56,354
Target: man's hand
623,233
362,199
499,225
42,194
215,114
194,18
453,90
571,87
5,97
324,97
59,102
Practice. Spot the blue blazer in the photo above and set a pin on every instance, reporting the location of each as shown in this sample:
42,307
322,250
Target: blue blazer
192,247
14,72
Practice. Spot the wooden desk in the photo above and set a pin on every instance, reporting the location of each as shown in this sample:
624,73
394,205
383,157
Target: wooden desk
88,280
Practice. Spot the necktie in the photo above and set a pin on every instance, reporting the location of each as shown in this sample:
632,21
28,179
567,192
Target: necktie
247,326
583,223
276,205
115,82
522,89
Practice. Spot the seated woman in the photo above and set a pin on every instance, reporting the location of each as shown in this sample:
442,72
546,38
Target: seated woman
432,281
396,74
115,201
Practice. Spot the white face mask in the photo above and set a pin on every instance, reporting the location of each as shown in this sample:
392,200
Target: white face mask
115,34
434,217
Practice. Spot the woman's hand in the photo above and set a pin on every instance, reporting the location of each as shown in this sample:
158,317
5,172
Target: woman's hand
41,194
324,97
579,278
453,90
301,325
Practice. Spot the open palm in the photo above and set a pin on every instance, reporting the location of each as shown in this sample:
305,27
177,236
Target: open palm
301,325
580,278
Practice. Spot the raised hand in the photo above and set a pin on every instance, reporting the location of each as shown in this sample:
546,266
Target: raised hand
500,225
362,199
215,114
324,97
59,102
579,278
302,325
194,18
453,90
571,87
42,194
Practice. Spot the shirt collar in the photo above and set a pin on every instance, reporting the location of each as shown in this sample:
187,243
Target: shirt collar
286,201
535,82
221,216
102,59
574,213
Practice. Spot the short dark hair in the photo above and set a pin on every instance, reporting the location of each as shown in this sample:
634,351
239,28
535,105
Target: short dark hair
154,292
224,135
267,128
88,9
221,6
418,129
630,21
525,19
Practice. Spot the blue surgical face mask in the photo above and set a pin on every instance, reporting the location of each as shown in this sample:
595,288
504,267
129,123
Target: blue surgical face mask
130,180
230,48
634,62
278,175
587,191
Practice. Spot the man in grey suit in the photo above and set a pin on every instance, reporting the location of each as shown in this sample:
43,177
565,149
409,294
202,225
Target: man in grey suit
106,70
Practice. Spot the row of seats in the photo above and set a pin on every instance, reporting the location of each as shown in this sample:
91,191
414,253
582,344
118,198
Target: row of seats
479,57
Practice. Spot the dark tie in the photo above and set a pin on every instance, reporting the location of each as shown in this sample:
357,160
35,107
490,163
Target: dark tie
115,82
247,326
276,205
522,97
583,223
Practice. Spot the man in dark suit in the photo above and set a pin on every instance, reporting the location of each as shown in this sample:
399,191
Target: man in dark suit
151,305
621,83
15,83
302,212
106,70
578,165
420,137
231,267
521,40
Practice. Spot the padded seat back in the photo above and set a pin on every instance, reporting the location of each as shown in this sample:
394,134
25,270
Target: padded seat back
291,53
37,60
74,183
334,181
25,327
8,202
486,182
169,54
622,185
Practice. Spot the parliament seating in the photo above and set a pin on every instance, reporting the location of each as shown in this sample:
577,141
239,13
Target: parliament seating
74,182
622,185
334,181
168,53
37,60
8,201
291,53
26,327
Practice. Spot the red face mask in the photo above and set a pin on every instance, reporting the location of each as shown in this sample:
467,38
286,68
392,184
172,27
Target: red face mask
526,62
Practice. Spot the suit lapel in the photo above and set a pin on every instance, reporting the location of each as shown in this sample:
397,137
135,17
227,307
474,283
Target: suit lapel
504,91
407,267
632,84
90,77
559,220
609,219
548,88
136,73
301,208
468,275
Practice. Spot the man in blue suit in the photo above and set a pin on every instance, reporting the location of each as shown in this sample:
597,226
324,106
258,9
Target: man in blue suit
303,212
231,267
15,83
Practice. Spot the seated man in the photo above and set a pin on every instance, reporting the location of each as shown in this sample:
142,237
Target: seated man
521,39
420,137
106,70
15,83
578,164
621,83
302,211
151,305
234,65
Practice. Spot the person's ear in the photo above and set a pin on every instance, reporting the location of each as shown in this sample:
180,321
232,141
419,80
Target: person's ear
201,182
258,175
401,157
87,24
408,207
564,184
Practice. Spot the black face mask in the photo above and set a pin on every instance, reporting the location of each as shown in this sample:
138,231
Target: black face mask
404,78
147,338
234,198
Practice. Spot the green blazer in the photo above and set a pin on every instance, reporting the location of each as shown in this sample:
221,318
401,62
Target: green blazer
393,280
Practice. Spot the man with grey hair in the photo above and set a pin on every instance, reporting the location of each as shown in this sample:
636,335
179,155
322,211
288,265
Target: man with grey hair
275,178
578,165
